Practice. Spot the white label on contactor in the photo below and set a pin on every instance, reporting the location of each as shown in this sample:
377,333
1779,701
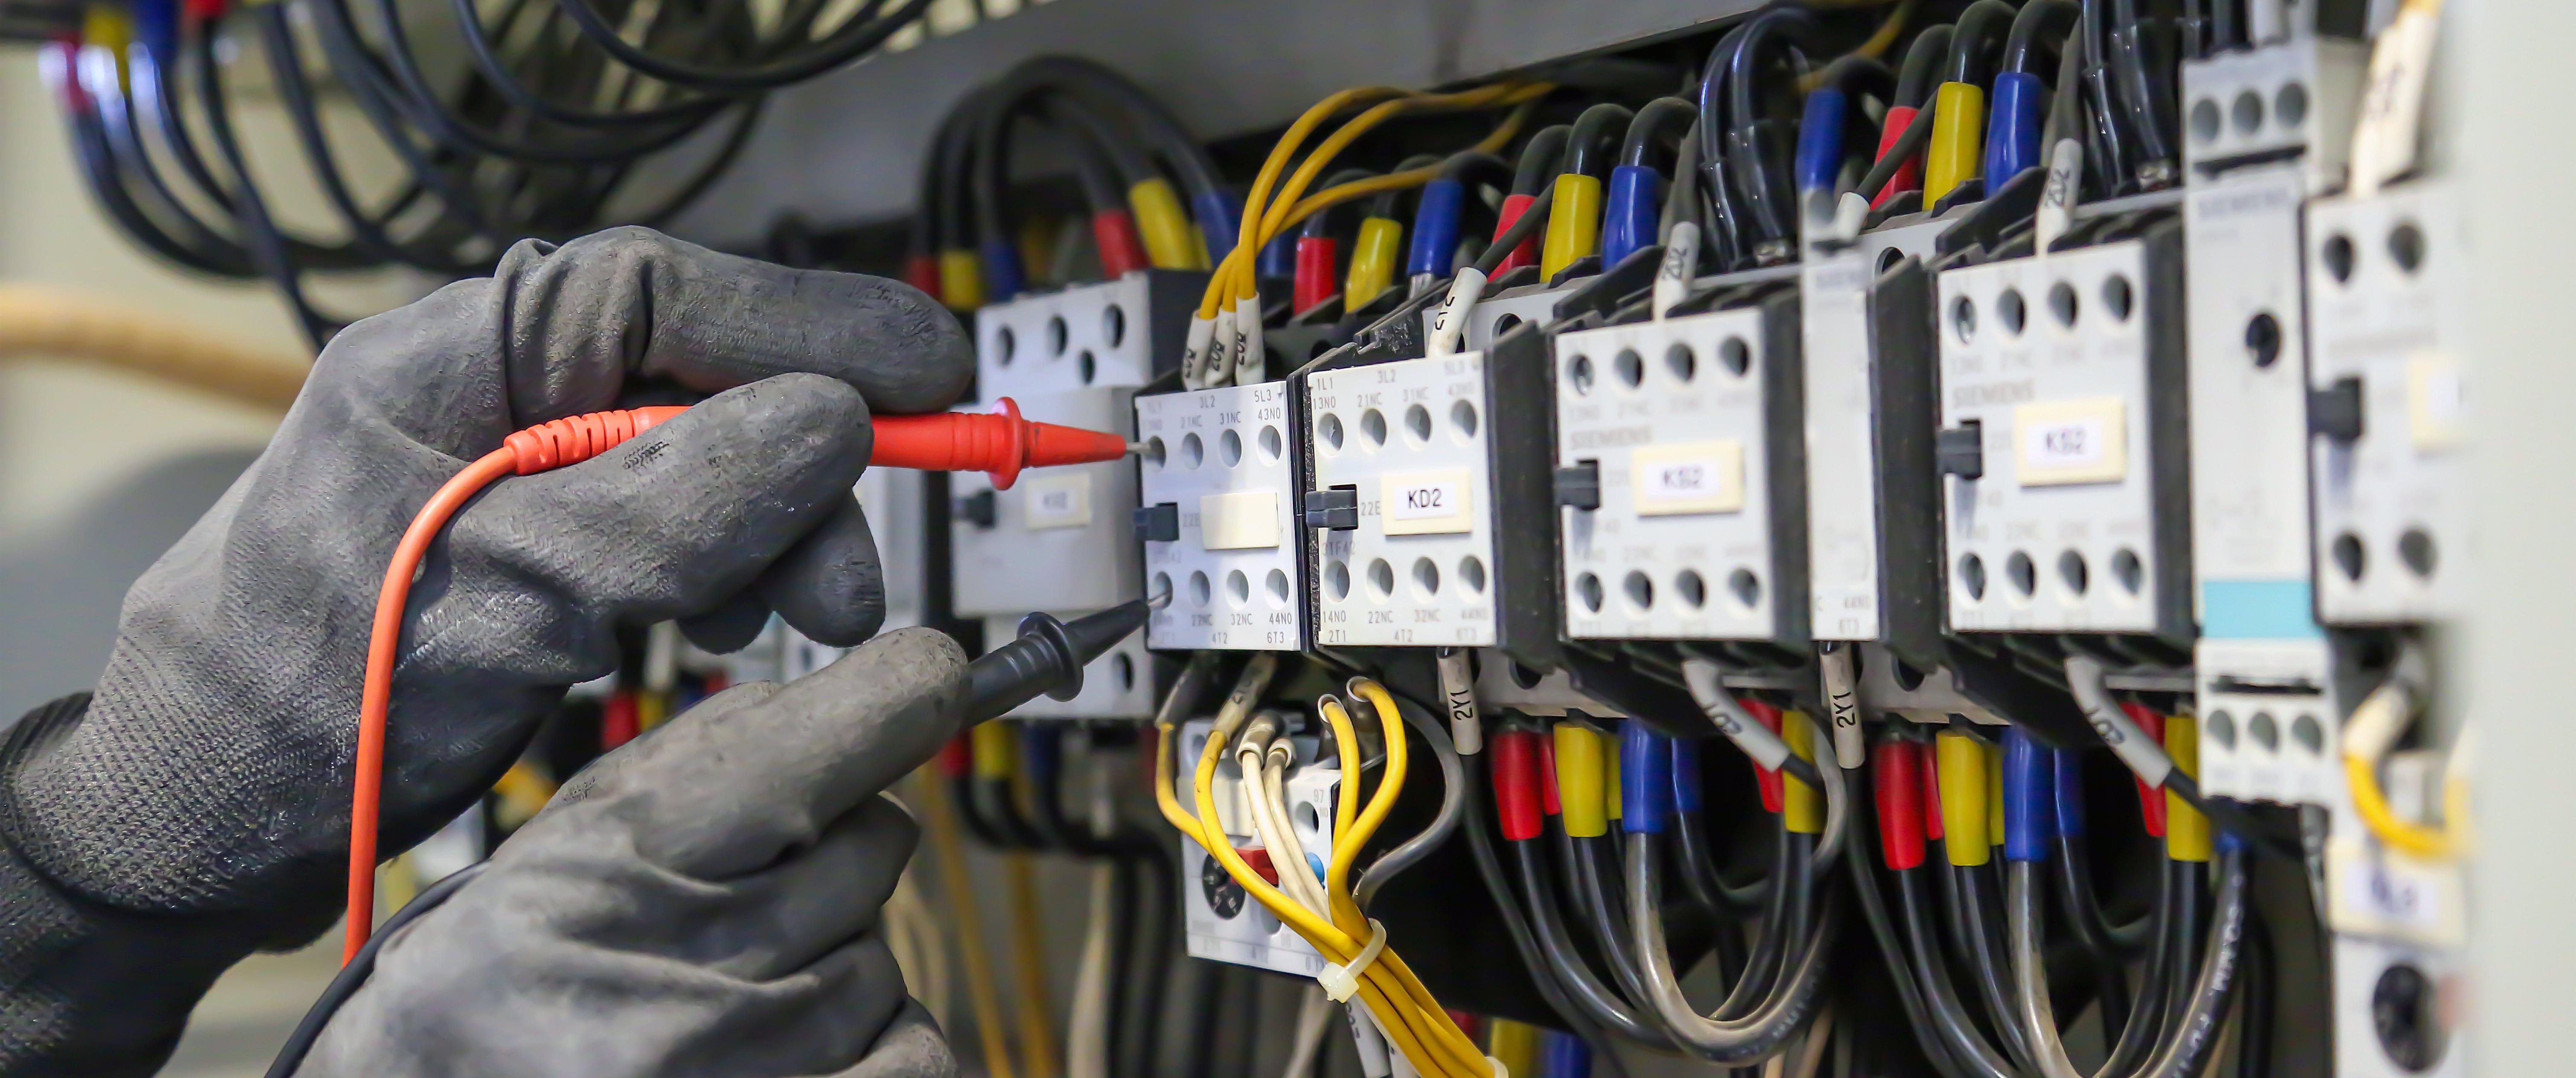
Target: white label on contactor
1426,503
2080,441
1695,477
1058,501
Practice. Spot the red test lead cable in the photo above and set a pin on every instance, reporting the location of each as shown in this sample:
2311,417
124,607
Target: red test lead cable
1000,444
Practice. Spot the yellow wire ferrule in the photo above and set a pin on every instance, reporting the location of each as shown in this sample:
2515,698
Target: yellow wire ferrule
1579,774
1164,226
1961,761
995,751
1958,139
2186,830
1573,223
961,280
1373,261
1802,807
1995,792
1612,804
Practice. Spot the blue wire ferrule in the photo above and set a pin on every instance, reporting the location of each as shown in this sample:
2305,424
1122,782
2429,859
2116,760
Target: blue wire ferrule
1278,258
1631,213
1564,1055
1220,214
2070,793
2030,797
1042,748
1645,779
1003,278
1686,787
1435,228
1820,139
2013,121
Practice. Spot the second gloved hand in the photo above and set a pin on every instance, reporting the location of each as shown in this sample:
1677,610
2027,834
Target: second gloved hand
704,901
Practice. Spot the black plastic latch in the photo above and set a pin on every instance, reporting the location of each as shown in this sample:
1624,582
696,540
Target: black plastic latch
1334,508
1961,450
1579,485
977,509
1159,523
2335,411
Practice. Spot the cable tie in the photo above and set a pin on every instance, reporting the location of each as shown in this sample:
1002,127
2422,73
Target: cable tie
1342,982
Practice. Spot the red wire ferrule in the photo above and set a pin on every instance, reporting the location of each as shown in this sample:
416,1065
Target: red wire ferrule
619,721
2151,799
1931,807
1318,262
1772,798
1122,248
1896,774
1548,802
1516,783
922,271
1527,253
1909,176
957,757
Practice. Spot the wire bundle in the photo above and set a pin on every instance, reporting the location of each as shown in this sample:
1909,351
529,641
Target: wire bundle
1126,151
541,136
1330,914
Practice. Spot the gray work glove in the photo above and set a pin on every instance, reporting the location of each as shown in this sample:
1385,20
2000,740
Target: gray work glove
701,902
197,807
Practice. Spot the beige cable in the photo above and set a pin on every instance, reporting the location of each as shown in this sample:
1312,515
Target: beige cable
37,321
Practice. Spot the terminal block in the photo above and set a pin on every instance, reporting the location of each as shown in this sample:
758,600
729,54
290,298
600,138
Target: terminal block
2291,100
1063,540
1114,333
1060,540
1681,476
1418,468
1220,919
1219,519
2388,407
2062,440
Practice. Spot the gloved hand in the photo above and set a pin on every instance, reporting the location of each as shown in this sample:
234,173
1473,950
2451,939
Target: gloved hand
703,901
197,806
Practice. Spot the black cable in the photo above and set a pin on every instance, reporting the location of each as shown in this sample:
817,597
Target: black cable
1555,946
1977,41
1700,876
353,973
1540,160
1606,912
1758,151
845,45
1918,134
2083,915
1920,73
1489,868
1531,222
1655,133
1981,914
1891,952
1950,1013
2257,970
2041,24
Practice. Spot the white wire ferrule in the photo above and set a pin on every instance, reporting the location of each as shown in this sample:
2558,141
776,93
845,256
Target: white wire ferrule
1673,278
1450,325
1341,982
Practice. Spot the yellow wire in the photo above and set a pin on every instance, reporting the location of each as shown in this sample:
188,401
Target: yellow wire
1879,41
1330,940
1390,722
1028,962
2397,832
1347,841
938,817
1262,221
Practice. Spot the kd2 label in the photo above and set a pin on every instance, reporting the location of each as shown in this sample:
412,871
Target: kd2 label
1427,503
